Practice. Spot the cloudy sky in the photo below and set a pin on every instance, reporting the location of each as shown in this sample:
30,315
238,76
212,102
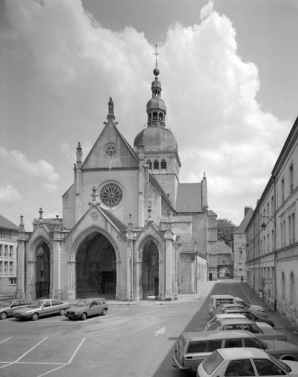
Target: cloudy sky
229,77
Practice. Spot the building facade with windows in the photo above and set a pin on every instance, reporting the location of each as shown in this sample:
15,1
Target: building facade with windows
130,229
272,234
239,245
8,256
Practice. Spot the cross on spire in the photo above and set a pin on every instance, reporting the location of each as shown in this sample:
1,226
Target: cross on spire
156,55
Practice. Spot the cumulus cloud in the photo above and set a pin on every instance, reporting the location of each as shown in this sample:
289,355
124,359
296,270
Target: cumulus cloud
18,161
9,194
58,53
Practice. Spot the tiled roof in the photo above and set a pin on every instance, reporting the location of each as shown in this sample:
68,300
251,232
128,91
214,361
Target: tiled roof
241,228
189,197
6,224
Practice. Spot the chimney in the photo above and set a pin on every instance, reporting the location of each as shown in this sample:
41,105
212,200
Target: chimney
246,209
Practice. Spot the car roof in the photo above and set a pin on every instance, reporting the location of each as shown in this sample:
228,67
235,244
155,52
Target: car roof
227,321
231,304
222,296
229,315
242,353
90,299
237,310
203,335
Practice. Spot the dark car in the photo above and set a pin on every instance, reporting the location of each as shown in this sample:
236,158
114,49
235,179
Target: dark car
87,308
42,308
248,314
7,307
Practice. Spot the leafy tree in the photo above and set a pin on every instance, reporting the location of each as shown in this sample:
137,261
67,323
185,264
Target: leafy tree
225,230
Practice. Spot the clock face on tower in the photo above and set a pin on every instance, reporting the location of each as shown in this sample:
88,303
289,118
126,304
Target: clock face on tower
111,151
111,195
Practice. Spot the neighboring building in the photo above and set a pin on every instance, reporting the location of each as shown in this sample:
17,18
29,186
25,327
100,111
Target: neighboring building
239,243
130,229
224,261
272,251
8,256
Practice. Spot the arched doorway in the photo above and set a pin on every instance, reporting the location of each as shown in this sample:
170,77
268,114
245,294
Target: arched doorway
42,272
96,268
150,270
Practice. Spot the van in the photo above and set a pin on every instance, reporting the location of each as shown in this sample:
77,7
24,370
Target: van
193,347
217,300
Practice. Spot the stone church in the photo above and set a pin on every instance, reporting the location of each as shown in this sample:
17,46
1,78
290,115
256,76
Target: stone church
130,230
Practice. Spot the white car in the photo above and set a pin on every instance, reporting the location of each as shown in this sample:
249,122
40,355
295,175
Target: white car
228,362
259,310
223,316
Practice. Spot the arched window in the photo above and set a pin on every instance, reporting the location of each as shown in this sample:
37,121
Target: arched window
163,164
155,115
160,116
283,286
149,163
156,165
292,288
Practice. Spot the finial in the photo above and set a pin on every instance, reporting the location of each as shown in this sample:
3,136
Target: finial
94,195
21,226
111,109
156,70
79,145
40,213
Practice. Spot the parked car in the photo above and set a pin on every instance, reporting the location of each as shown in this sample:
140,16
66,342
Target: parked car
250,315
260,329
217,300
223,316
223,307
42,308
282,350
87,308
245,362
257,309
193,347
9,306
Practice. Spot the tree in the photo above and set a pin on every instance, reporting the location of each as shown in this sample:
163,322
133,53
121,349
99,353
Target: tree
225,230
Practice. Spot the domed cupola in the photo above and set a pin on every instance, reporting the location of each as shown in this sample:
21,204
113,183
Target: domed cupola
156,108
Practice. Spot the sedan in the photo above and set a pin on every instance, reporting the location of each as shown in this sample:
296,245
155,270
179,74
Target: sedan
8,307
87,308
250,315
260,329
257,309
42,308
245,362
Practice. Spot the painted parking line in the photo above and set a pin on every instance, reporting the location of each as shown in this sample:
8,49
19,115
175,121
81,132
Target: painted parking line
4,340
56,366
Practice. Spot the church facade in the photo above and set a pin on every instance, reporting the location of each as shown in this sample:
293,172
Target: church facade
130,230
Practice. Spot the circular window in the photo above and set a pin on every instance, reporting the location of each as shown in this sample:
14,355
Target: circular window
111,151
111,195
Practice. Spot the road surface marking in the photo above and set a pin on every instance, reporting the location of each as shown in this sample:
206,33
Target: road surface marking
5,340
160,331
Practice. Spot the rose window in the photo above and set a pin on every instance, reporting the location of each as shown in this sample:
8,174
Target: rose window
111,195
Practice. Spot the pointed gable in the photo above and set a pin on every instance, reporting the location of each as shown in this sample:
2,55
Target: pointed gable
110,150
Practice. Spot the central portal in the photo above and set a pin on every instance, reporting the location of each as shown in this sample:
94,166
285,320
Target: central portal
96,268
150,271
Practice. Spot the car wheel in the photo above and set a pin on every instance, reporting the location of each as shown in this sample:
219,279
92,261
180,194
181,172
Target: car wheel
83,316
62,311
3,315
34,316
104,312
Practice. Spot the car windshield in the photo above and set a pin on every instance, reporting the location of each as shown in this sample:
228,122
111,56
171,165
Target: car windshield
35,304
4,304
281,364
212,362
82,303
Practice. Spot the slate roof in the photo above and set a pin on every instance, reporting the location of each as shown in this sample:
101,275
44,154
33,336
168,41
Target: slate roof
189,197
223,248
241,228
50,223
7,224
122,227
